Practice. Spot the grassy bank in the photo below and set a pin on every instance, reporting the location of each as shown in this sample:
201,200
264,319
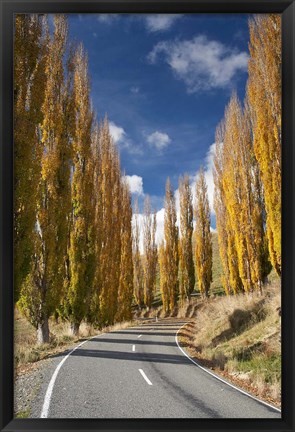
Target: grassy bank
240,338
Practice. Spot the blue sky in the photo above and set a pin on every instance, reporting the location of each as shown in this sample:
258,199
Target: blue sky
164,82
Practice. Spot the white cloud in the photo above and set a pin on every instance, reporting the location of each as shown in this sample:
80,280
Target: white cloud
208,170
201,63
107,18
121,139
160,215
138,218
117,132
160,226
159,231
135,184
159,140
160,22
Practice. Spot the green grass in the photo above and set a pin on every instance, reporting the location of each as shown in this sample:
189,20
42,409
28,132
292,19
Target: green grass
216,286
266,366
241,336
157,302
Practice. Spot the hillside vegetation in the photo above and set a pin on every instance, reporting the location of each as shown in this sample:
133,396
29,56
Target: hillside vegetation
240,337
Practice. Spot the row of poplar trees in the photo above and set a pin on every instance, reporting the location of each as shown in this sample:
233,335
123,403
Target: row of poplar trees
247,167
185,254
72,207
185,251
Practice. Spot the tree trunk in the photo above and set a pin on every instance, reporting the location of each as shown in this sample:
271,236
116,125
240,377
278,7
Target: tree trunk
75,329
43,332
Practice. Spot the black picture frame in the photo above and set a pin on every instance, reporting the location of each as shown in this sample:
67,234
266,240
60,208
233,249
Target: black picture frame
8,9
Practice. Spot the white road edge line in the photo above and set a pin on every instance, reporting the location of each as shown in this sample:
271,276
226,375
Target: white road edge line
48,394
139,336
220,379
145,377
133,348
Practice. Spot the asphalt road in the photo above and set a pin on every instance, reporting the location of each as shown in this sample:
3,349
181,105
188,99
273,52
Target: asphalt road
141,373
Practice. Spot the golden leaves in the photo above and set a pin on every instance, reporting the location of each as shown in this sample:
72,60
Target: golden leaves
187,273
248,163
264,92
202,234
169,254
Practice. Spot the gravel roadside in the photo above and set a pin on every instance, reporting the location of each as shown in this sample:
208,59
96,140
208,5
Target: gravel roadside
32,381
30,387
27,386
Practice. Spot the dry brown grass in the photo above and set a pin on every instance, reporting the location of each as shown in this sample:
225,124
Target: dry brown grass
118,326
187,310
184,310
240,336
27,352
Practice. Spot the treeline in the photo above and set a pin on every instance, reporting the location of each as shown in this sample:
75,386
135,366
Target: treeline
183,259
247,198
185,253
247,167
72,208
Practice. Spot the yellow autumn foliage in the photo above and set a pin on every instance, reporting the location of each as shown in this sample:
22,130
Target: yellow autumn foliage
186,263
264,92
202,234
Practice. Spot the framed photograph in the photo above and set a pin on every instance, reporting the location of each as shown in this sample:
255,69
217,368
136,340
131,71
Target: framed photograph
147,215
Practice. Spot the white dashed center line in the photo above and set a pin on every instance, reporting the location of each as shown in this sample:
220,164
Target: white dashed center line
145,377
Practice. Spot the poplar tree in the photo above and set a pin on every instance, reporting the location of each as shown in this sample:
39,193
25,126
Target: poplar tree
125,291
30,50
227,251
43,290
264,90
150,253
187,271
82,237
92,314
110,255
171,246
243,196
234,187
137,261
163,277
203,240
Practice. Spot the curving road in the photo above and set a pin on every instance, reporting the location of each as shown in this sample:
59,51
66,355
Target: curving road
140,373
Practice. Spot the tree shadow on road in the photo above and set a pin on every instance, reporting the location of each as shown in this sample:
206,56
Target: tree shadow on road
129,342
133,356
